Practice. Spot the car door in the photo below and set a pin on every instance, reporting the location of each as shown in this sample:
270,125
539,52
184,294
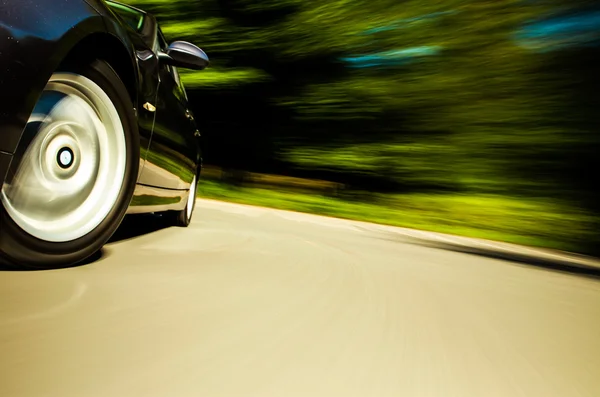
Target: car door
173,152
141,30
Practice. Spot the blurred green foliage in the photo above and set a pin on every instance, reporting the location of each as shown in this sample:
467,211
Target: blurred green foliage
415,96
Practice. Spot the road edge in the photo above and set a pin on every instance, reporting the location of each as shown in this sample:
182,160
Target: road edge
560,260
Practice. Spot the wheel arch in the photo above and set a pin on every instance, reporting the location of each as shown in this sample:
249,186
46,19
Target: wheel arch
105,46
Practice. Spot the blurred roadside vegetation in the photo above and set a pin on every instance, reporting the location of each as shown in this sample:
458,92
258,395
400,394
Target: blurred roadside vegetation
465,116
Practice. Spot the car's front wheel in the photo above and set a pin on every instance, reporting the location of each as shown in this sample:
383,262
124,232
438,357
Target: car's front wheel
76,172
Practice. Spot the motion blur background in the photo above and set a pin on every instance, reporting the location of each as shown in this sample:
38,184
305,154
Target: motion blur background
470,117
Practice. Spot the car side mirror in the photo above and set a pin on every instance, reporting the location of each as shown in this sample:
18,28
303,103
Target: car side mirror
185,55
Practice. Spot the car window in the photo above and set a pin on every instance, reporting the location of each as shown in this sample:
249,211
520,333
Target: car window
162,42
131,16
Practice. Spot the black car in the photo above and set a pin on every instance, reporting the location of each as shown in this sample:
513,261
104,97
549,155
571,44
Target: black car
94,124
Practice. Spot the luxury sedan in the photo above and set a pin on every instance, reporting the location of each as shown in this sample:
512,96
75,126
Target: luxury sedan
94,124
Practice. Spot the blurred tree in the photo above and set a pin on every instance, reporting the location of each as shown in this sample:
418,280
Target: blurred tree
465,95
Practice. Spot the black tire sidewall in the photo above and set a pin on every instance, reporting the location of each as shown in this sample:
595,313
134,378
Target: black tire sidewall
22,249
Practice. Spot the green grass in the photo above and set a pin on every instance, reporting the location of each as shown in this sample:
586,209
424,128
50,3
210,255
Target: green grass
533,222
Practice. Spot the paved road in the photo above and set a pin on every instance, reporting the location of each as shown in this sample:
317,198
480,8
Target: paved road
256,302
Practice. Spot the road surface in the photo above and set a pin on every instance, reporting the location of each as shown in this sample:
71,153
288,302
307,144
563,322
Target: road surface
257,302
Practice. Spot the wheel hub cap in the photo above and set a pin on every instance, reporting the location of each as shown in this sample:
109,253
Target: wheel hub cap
65,158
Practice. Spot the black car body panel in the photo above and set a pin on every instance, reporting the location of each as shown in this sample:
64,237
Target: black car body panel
35,35
38,36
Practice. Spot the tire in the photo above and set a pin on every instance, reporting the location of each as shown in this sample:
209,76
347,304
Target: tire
183,218
73,183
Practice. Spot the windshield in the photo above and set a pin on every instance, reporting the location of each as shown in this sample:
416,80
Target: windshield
131,16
